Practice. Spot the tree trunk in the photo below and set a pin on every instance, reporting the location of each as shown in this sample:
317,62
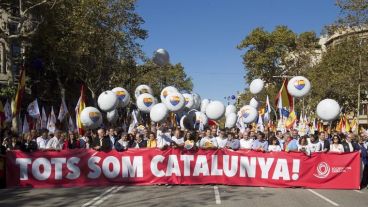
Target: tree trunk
93,97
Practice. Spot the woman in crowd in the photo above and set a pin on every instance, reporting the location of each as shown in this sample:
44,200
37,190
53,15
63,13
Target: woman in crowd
336,145
274,145
152,141
73,142
303,145
123,143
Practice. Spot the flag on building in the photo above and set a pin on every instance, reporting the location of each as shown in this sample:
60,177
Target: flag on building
33,109
63,111
7,112
43,119
20,92
78,110
51,124
25,128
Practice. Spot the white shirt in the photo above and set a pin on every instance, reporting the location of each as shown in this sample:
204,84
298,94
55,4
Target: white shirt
336,148
41,142
246,144
204,140
221,143
53,143
314,147
163,140
177,140
274,148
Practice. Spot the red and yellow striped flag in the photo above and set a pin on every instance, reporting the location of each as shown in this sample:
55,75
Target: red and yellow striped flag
20,92
78,110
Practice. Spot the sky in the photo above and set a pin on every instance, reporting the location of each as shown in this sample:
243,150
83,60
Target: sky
202,35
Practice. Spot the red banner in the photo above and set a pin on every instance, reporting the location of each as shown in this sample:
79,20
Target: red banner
173,166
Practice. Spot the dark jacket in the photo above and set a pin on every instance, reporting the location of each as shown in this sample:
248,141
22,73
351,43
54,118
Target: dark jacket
105,143
30,146
347,148
142,144
326,145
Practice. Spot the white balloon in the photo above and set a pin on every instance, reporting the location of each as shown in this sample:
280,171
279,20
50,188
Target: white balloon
112,116
230,109
201,118
298,86
91,118
175,102
145,102
328,109
230,120
188,100
254,103
215,110
166,91
159,112
256,86
248,114
123,96
182,122
141,89
204,105
161,57
197,101
107,101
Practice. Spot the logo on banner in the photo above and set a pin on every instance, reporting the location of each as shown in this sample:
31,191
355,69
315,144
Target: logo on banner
323,170
94,116
186,101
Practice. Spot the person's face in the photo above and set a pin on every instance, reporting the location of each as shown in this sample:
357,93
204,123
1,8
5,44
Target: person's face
252,134
44,135
312,139
349,137
240,135
222,134
151,136
260,137
134,131
124,137
202,134
274,141
188,136
335,140
33,133
295,133
279,134
208,133
111,132
145,131
230,136
138,137
71,136
101,133
303,141
213,132
57,134
322,136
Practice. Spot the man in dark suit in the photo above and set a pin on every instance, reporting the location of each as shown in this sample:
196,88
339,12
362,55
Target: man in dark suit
139,142
101,142
349,143
325,144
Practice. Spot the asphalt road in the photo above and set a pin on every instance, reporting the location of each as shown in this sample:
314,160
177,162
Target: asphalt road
195,195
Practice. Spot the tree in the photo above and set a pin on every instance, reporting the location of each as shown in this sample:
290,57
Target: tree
89,42
277,53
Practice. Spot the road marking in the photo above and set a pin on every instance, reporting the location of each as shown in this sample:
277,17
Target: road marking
323,197
262,188
217,195
358,191
107,197
98,197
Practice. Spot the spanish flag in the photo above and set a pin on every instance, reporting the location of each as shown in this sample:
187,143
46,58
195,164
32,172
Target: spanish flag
290,120
347,125
78,110
286,100
20,92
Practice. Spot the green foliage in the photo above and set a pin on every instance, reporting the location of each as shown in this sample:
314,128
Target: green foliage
7,92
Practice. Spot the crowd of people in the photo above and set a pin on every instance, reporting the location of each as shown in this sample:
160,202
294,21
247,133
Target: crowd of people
163,137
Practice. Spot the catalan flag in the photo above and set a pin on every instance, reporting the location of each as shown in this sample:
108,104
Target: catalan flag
284,99
20,92
78,110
